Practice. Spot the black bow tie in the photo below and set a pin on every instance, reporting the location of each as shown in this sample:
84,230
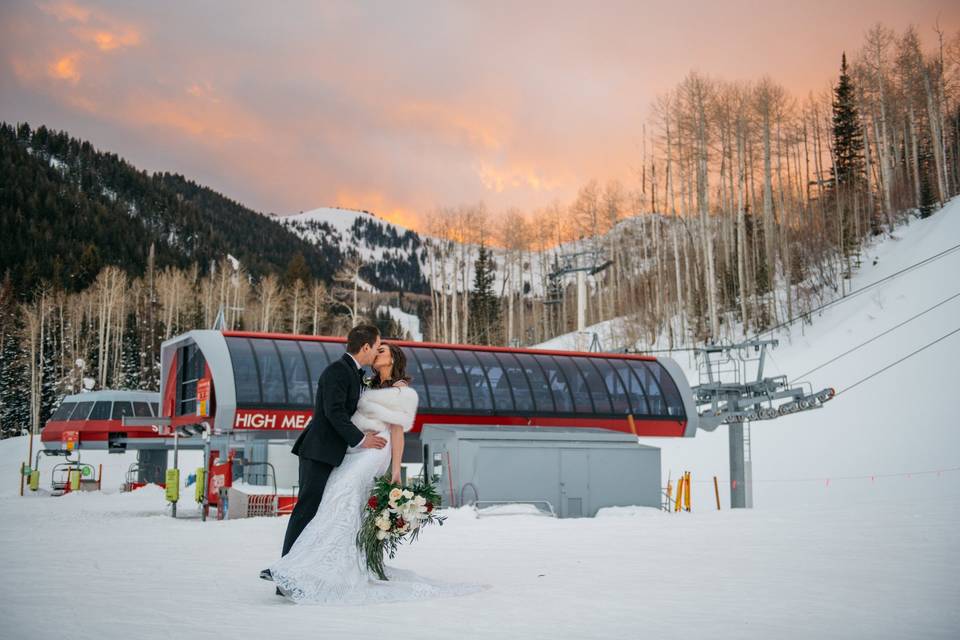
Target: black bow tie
360,372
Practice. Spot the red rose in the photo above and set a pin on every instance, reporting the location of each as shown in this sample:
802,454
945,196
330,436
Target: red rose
429,506
372,502
400,523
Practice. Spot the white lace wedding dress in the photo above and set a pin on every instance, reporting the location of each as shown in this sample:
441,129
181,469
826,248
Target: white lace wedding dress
324,565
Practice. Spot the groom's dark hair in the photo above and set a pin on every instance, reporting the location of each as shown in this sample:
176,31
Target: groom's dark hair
360,335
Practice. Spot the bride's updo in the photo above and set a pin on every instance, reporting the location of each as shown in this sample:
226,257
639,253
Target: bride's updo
398,372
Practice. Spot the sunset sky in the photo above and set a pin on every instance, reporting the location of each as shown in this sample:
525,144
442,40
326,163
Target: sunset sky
400,107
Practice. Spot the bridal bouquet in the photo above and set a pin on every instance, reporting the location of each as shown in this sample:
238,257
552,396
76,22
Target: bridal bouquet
393,513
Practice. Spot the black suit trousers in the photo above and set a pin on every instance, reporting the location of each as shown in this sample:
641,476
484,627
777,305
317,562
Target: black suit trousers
313,480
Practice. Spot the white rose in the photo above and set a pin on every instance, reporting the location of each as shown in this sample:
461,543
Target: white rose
381,535
383,525
406,493
420,501
395,494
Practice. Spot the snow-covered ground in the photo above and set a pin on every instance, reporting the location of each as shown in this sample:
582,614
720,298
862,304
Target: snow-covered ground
115,566
854,534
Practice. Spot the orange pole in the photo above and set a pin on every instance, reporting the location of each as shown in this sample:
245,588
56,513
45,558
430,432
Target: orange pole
100,478
716,491
686,494
632,423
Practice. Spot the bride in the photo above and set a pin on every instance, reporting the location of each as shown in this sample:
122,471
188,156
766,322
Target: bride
324,566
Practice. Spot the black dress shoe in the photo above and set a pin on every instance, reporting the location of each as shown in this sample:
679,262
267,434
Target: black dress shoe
266,575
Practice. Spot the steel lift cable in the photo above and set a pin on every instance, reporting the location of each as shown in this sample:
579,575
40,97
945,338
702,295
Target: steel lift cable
893,364
878,336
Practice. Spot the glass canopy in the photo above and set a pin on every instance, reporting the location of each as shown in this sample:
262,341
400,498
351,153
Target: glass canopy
283,373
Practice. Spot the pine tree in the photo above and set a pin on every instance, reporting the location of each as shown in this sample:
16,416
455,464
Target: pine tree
848,167
484,306
14,401
130,357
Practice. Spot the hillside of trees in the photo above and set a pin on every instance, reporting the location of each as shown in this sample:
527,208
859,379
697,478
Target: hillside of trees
69,210
751,207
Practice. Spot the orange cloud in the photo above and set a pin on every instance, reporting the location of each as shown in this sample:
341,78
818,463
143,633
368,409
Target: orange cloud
451,123
376,203
107,41
65,68
66,11
515,177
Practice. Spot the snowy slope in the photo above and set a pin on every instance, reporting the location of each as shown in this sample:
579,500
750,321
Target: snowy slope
115,566
902,421
407,321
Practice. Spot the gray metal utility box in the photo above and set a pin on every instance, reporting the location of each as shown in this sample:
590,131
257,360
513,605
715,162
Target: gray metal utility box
576,471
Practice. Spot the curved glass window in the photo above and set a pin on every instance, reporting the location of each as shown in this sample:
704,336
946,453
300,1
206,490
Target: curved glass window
244,371
271,372
539,387
299,389
101,410
316,359
82,411
663,397
671,395
433,378
522,395
477,377
416,377
636,392
578,386
617,393
596,387
557,383
460,392
142,410
499,384
122,409
63,411
655,402
335,350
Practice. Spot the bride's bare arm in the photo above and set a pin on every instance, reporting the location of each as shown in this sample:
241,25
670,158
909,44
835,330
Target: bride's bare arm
396,445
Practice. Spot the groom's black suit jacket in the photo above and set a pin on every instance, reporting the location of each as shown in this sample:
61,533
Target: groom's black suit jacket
330,431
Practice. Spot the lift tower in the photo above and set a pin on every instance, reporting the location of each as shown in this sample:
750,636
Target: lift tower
581,263
730,393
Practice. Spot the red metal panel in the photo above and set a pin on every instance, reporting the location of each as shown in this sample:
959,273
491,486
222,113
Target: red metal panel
93,430
276,419
666,428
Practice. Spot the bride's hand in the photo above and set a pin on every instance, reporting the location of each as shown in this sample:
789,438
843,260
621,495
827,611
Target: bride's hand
395,477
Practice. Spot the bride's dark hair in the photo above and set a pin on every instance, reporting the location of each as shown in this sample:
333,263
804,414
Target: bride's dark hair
399,370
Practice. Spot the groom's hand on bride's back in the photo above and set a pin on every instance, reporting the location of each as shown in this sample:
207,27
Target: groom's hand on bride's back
373,441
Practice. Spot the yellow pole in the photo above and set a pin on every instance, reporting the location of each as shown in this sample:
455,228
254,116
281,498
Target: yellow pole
686,493
679,494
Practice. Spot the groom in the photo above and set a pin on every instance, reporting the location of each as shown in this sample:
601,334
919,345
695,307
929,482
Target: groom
323,443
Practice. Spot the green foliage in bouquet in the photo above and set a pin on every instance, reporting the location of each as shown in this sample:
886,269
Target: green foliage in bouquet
393,513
